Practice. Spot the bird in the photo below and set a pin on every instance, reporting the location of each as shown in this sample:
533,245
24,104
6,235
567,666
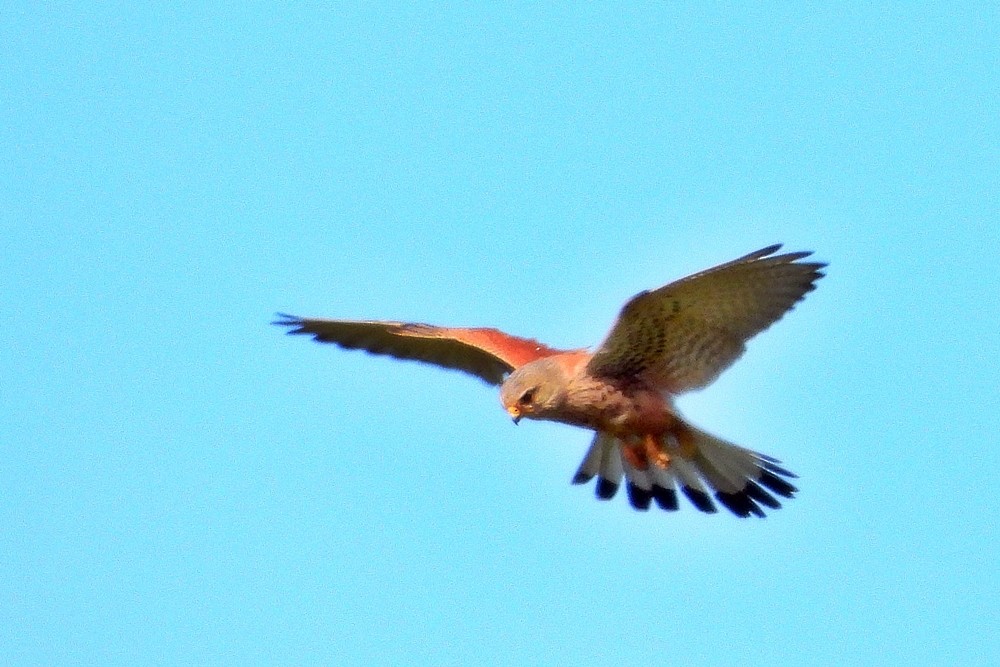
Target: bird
665,341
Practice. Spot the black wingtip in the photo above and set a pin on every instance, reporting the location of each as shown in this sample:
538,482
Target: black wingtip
581,478
286,320
295,323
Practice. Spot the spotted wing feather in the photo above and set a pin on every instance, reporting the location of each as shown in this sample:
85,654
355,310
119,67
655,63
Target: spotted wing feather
683,335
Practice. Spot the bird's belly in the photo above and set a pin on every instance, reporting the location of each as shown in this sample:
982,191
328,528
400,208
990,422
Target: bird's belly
624,413
639,422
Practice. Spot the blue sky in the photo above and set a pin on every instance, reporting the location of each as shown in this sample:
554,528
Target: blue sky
181,484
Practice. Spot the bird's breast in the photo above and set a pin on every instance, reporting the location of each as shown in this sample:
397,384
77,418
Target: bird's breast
623,410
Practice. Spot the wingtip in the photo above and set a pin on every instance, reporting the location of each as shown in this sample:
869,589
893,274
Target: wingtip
769,250
768,253
286,320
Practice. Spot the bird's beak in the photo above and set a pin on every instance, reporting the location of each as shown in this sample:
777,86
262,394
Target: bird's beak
515,413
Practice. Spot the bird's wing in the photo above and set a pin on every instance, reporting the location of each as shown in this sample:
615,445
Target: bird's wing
683,335
486,353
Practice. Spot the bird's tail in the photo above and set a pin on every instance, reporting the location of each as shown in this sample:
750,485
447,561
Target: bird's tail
701,464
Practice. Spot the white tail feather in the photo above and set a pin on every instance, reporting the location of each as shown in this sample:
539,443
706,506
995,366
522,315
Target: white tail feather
699,463
662,477
591,464
611,459
641,478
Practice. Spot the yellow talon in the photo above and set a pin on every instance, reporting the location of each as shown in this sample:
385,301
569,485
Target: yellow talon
655,452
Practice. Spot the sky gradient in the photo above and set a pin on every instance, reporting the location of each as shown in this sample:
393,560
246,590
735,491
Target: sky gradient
182,484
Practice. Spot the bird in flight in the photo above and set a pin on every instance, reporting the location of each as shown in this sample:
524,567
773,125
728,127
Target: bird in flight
665,342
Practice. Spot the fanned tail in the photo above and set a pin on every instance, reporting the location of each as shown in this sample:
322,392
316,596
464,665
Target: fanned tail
699,464
603,459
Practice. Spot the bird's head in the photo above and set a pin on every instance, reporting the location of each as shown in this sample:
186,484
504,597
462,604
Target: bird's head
534,390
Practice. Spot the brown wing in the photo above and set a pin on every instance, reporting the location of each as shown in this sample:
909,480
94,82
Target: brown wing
683,335
486,353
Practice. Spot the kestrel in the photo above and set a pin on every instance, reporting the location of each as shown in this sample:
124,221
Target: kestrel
665,342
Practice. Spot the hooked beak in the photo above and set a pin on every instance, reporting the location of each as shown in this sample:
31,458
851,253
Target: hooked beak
515,413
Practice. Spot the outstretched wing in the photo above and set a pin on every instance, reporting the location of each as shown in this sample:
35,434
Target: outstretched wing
486,353
683,335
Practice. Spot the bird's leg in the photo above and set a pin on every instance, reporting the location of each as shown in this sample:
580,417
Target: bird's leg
654,451
649,451
635,455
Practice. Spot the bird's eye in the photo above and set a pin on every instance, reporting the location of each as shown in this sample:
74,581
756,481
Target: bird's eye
528,397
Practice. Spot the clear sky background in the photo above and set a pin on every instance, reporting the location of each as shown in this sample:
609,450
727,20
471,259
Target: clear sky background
182,484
